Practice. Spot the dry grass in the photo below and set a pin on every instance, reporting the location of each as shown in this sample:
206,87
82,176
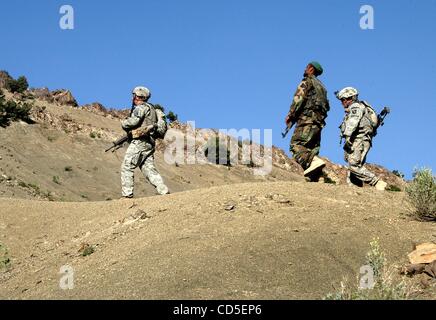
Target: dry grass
387,284
421,194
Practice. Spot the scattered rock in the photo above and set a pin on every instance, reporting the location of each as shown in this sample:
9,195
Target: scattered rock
424,253
140,214
230,207
414,269
279,198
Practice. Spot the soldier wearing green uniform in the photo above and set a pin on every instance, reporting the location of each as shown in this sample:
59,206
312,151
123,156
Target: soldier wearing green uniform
308,110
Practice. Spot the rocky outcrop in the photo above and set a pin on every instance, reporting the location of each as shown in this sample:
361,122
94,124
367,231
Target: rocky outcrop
64,97
4,78
42,94
96,108
68,125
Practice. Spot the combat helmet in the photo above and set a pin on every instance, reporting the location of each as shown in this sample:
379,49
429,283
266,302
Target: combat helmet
141,92
346,93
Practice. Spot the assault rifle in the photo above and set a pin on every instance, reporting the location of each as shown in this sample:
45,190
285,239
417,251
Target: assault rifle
381,117
118,143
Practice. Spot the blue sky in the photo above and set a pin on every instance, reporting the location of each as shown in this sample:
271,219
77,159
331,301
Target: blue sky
235,64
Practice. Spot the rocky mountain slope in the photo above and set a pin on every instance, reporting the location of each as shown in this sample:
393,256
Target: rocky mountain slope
61,156
223,233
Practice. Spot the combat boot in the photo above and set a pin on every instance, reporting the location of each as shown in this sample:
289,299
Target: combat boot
381,185
315,164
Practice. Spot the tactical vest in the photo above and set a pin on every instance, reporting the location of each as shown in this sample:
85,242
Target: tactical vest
317,104
150,118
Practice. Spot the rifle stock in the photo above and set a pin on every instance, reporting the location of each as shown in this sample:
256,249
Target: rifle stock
382,116
289,127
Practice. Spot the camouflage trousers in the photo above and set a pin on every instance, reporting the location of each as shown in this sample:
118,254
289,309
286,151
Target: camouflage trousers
355,156
140,154
305,143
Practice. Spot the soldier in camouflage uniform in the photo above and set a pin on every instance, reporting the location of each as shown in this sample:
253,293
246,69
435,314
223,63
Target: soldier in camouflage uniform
140,152
308,109
358,132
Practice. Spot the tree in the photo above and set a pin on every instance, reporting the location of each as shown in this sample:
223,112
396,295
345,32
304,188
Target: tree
158,106
13,111
20,85
171,116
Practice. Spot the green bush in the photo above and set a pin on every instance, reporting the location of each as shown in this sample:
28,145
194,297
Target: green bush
12,111
421,194
398,174
56,180
20,85
393,188
158,106
221,154
5,261
171,116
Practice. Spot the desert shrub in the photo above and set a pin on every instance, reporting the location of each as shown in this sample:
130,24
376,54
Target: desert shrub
20,85
22,184
93,135
393,188
398,174
12,111
160,107
386,284
376,258
421,194
56,180
5,261
86,249
327,179
171,116
217,152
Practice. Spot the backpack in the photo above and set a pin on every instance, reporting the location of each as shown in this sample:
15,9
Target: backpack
371,115
161,122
